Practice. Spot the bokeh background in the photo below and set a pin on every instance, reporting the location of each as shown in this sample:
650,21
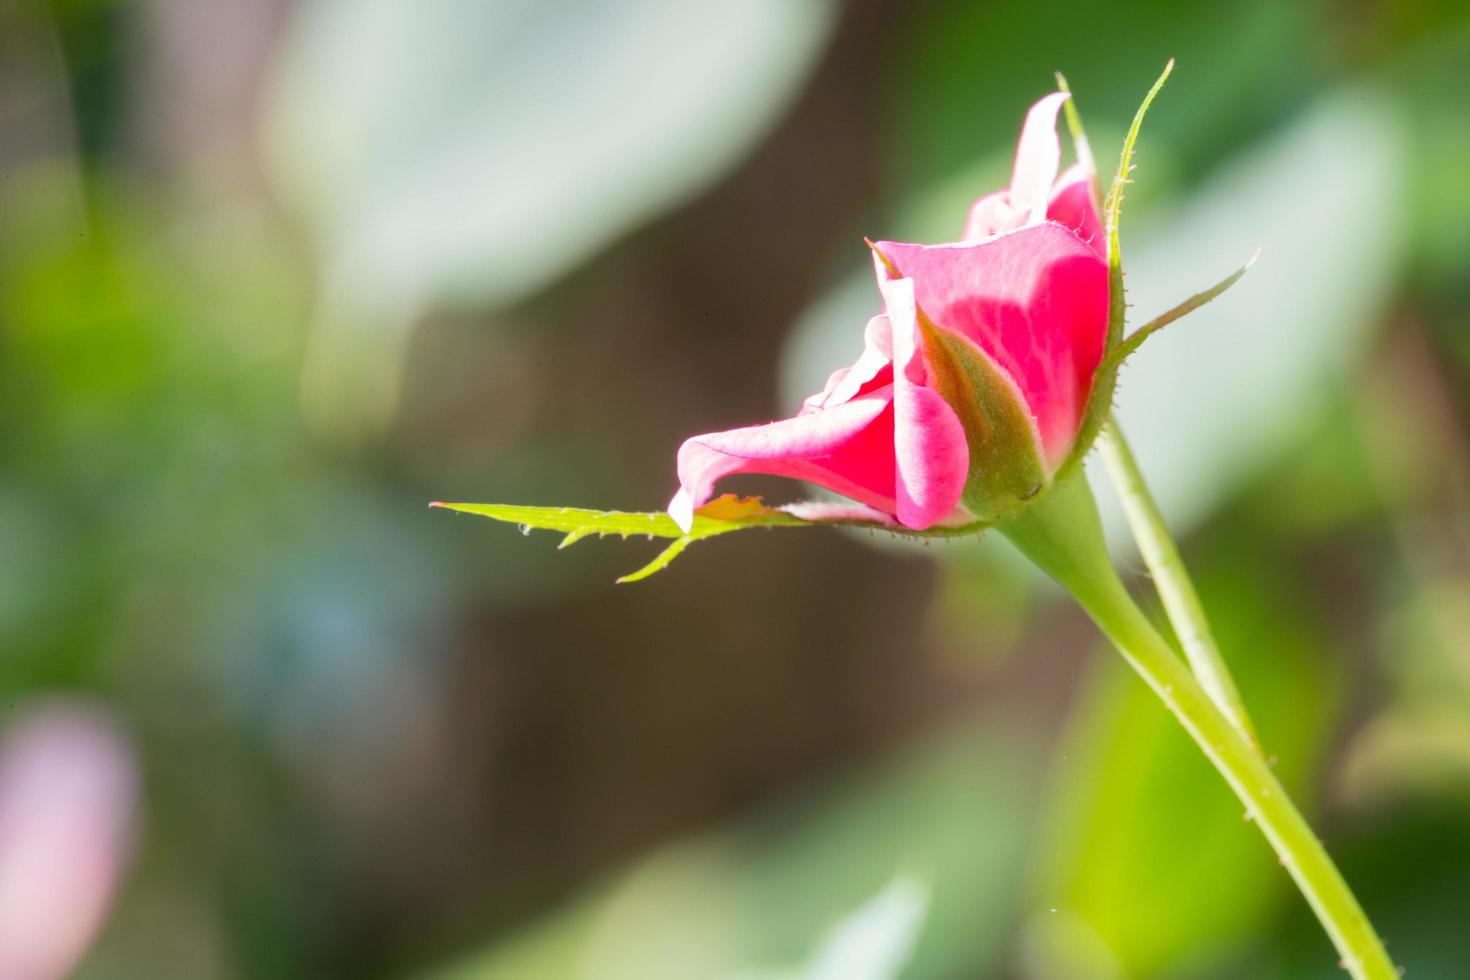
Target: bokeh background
275,274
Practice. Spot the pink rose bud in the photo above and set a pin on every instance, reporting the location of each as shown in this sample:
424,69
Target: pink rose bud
971,390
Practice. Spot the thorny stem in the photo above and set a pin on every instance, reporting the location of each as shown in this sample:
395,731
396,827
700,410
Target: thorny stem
1062,535
1181,602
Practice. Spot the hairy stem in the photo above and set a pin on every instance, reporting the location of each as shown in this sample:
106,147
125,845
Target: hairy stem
1181,602
1062,535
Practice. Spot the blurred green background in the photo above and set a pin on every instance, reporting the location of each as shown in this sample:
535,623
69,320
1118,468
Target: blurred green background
275,274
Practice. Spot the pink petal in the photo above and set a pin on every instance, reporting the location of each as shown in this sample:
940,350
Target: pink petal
932,458
868,373
1074,204
847,448
814,403
992,215
68,791
825,511
1038,155
1035,301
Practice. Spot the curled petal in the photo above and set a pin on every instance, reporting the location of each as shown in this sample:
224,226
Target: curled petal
816,402
1038,157
835,512
932,458
992,215
847,448
870,371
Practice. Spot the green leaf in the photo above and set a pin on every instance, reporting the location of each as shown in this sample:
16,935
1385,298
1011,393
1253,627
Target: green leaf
720,516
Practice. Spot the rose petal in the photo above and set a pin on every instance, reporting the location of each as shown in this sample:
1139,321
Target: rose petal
1038,156
868,373
992,215
932,458
831,511
813,403
1074,205
847,448
1035,301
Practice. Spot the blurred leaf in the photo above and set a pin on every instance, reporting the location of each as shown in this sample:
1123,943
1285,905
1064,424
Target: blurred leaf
1243,64
874,942
476,150
513,138
1418,742
1407,751
948,816
1430,80
1141,819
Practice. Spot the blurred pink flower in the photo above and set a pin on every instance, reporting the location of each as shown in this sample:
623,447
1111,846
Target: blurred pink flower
971,388
68,789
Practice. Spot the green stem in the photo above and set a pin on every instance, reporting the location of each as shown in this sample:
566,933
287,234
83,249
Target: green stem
1062,535
1181,602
